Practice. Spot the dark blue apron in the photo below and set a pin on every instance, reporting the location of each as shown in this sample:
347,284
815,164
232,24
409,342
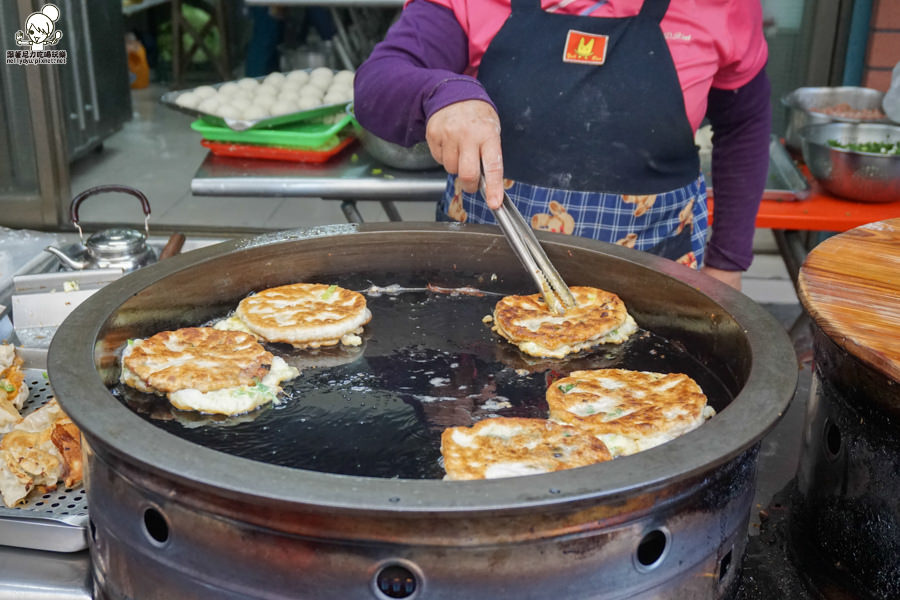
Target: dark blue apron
596,139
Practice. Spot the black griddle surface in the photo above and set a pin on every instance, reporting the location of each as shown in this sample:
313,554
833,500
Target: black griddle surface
428,362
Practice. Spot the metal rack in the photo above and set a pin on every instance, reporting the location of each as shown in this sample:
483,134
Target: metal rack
57,520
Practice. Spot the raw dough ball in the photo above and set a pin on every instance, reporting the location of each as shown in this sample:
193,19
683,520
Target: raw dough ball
321,73
276,79
241,103
339,93
228,88
287,94
205,91
267,89
255,112
242,94
311,91
307,102
209,105
294,84
264,101
299,77
344,76
229,111
336,95
318,82
248,83
188,100
283,107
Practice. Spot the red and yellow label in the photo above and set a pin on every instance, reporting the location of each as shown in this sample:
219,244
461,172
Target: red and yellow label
585,48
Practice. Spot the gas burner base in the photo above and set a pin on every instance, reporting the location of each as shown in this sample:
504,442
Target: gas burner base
772,568
769,571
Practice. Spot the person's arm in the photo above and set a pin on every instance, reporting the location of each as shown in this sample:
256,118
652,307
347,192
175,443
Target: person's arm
411,88
741,121
413,73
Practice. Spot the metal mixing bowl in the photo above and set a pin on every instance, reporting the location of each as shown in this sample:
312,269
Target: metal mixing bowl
414,158
862,176
801,101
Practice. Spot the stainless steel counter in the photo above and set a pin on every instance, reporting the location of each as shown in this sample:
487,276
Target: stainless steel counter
36,575
355,175
351,176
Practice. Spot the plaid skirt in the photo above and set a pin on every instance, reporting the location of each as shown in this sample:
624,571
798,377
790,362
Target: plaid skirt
672,224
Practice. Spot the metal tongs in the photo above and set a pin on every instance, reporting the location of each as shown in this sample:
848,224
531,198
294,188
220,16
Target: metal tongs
521,237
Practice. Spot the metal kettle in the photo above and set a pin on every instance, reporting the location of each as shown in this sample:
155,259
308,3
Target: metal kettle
116,248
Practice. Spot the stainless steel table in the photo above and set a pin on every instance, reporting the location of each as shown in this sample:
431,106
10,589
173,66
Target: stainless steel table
349,177
36,575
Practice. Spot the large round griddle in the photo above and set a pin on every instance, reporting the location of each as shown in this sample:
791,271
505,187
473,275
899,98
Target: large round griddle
427,362
723,331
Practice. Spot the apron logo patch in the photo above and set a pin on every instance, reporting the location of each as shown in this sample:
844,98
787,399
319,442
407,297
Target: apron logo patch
585,48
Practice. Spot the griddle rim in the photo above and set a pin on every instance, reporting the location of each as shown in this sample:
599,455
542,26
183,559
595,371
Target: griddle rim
117,433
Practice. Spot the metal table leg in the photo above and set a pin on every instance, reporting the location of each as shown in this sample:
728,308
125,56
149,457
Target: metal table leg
345,47
390,210
793,250
351,213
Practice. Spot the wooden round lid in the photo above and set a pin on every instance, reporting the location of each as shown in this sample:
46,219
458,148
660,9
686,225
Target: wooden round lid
850,286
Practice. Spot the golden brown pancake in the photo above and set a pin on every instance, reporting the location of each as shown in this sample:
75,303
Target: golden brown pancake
205,369
600,317
512,446
200,358
305,315
629,410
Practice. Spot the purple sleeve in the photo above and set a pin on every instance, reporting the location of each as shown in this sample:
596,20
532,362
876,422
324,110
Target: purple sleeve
414,72
741,121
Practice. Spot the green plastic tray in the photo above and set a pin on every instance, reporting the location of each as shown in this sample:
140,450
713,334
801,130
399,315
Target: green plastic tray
305,135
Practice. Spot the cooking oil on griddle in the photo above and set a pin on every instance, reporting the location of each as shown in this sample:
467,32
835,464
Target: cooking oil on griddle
428,362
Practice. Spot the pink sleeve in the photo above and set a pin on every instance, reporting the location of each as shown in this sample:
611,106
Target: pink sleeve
743,48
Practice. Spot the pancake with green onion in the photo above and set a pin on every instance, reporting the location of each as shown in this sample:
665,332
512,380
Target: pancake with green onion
599,318
629,411
205,369
305,315
513,446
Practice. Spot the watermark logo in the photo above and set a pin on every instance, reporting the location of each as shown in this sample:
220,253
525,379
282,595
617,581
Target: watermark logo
40,32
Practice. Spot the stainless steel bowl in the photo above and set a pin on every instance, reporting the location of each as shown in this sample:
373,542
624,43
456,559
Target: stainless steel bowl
862,176
413,158
801,101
